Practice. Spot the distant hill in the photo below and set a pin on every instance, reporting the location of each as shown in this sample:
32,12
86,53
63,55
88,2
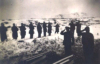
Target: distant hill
73,15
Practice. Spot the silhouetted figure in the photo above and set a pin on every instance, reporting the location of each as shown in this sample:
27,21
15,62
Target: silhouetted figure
72,28
14,32
88,45
67,42
39,29
3,32
57,28
22,29
78,30
44,28
49,28
31,31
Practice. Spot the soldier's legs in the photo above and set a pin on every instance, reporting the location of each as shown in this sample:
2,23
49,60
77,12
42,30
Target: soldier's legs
78,38
44,33
39,35
73,37
14,36
88,55
3,38
67,49
49,34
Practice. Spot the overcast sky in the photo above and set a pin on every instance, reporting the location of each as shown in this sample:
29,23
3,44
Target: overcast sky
24,9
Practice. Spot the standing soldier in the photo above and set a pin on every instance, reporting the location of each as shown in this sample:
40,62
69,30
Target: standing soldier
67,40
57,28
88,45
72,28
39,29
49,28
78,30
31,31
44,28
22,29
14,31
3,32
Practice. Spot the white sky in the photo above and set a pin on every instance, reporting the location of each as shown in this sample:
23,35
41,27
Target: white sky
25,9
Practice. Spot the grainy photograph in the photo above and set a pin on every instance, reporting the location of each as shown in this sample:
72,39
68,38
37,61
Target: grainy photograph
49,31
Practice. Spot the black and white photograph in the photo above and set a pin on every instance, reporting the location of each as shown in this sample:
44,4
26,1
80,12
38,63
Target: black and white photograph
49,31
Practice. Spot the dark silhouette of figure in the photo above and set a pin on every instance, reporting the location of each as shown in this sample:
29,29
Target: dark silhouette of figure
72,28
49,28
78,30
88,45
3,32
44,28
22,29
14,32
31,31
57,28
39,29
67,42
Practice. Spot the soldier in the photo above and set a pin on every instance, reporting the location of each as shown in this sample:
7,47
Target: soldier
3,32
72,28
44,28
22,29
14,31
88,45
31,31
67,40
78,30
49,28
57,28
39,29
78,24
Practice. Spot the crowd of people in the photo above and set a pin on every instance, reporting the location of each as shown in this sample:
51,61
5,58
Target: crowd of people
68,32
22,28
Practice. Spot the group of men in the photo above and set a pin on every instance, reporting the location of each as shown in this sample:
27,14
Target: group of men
87,40
68,32
39,26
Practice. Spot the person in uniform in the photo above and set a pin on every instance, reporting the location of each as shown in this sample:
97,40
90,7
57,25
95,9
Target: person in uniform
31,31
14,31
44,28
3,32
67,42
88,45
57,28
49,28
22,29
78,30
39,29
72,28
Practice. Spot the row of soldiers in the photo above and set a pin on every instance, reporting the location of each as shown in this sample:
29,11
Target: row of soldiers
14,29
